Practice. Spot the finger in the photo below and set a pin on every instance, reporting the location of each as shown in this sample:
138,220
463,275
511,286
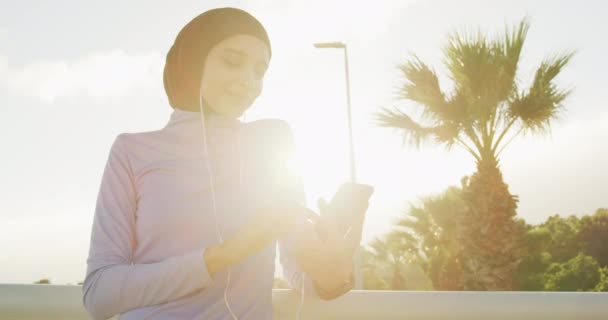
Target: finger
309,214
322,204
296,214
353,237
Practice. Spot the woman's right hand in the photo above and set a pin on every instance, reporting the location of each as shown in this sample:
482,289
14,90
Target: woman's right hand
264,227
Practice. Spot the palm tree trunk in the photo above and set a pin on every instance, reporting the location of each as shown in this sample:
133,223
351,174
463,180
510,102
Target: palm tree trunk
489,229
397,283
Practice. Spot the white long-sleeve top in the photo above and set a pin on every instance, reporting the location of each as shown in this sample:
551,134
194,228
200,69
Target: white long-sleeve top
154,218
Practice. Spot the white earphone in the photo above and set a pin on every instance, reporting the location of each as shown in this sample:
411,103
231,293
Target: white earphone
214,206
213,201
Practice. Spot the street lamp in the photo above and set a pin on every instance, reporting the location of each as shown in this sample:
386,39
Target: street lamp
340,45
353,174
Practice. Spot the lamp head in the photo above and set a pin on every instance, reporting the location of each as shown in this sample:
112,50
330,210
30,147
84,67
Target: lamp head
335,45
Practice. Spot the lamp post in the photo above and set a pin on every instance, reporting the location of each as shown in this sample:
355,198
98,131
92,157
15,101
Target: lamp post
340,45
353,174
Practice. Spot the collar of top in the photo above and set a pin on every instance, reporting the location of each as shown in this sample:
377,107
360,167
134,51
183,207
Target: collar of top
212,120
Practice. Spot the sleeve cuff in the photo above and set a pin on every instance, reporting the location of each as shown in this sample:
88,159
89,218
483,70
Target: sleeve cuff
199,271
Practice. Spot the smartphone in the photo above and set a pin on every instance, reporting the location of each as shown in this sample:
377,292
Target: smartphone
349,203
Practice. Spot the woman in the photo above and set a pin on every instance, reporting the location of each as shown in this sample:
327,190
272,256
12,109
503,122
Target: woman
187,216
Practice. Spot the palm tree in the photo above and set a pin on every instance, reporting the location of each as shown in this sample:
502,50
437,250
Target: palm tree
484,111
388,256
436,229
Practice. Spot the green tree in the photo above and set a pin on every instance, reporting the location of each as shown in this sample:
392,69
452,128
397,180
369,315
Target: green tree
530,272
43,281
484,111
563,243
593,236
603,284
581,273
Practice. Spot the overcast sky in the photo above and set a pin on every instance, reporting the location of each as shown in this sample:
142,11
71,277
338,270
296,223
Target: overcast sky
75,74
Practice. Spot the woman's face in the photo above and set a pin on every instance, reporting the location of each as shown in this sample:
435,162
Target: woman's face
233,74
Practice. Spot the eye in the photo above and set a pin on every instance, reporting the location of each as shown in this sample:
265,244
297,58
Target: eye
232,60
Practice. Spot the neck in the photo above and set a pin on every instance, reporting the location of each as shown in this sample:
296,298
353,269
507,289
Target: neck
208,112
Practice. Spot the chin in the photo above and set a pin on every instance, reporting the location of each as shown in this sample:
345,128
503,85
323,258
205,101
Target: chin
235,111
232,107
239,109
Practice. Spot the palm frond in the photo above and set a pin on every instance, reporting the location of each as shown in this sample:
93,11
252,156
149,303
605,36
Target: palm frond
407,239
422,86
458,109
413,132
543,101
510,52
484,70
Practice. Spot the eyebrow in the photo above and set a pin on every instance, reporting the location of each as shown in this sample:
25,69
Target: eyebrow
242,53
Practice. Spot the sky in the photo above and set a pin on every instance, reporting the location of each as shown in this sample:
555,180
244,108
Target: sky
75,74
